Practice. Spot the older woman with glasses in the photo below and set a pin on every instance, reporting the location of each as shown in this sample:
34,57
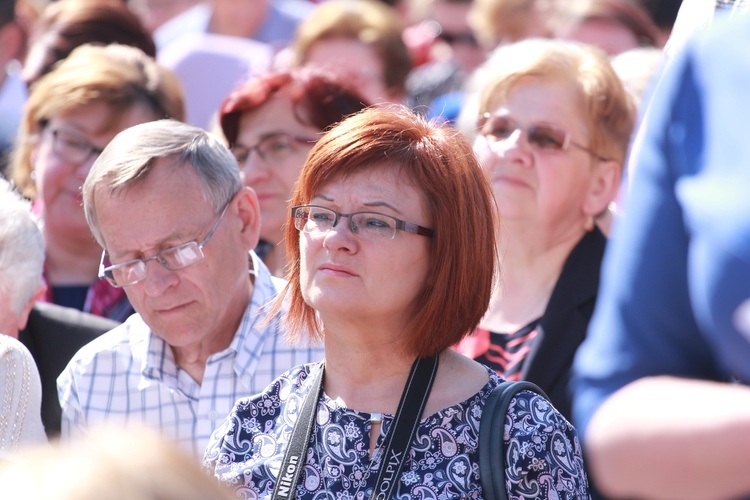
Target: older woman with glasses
271,123
554,122
71,114
393,255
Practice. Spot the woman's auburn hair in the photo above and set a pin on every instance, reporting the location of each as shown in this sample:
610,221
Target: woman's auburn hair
457,197
319,98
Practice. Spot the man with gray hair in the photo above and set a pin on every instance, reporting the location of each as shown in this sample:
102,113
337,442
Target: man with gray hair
21,261
166,203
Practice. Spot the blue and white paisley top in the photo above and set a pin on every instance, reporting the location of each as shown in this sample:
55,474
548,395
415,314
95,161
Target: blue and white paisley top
246,450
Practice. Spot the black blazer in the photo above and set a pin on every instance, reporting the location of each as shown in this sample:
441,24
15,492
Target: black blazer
53,335
565,321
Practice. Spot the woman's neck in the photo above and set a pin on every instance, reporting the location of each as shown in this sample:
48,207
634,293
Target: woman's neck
373,381
366,372
529,270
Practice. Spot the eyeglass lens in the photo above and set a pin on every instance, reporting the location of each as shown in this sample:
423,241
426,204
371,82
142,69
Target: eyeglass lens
499,128
366,224
174,259
71,147
274,147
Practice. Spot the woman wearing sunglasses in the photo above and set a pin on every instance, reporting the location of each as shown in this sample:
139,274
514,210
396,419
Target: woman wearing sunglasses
554,124
271,123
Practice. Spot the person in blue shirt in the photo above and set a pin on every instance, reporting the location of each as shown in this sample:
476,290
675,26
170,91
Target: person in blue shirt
660,386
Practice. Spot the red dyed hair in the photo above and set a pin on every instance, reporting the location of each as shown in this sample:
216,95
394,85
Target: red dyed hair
457,197
320,99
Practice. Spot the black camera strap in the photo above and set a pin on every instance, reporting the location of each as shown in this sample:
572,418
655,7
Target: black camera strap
397,440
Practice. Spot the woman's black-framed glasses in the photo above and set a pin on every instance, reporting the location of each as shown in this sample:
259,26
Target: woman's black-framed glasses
367,225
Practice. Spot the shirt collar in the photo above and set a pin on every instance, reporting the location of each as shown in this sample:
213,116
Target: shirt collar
246,346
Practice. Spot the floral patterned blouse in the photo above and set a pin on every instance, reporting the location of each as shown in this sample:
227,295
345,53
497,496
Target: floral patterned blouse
246,451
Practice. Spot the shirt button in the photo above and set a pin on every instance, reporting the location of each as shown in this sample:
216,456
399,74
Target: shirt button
213,415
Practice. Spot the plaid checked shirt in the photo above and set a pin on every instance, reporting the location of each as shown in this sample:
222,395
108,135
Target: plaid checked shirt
129,376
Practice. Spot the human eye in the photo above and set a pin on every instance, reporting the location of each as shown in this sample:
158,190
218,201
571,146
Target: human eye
240,154
127,273
546,137
499,128
276,144
375,223
71,141
320,216
180,256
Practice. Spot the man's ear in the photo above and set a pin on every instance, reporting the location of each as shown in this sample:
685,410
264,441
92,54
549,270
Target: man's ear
23,317
603,187
248,210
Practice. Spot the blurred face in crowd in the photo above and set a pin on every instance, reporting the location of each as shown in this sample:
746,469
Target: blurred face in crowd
456,33
67,147
271,148
534,178
613,38
359,64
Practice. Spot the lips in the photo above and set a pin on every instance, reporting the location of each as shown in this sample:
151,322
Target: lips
170,309
336,270
510,180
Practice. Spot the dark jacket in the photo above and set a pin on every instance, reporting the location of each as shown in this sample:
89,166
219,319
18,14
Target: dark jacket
53,335
565,321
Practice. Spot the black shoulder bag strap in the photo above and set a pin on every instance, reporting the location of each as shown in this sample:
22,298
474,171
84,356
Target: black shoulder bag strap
396,444
491,444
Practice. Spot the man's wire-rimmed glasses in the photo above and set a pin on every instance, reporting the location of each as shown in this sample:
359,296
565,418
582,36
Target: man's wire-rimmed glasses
273,147
367,225
173,258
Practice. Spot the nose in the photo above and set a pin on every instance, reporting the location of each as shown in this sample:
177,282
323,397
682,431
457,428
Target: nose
515,148
158,278
340,236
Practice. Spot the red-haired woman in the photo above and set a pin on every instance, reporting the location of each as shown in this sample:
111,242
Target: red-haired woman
393,255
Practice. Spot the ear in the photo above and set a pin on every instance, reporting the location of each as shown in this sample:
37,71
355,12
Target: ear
248,210
603,187
23,318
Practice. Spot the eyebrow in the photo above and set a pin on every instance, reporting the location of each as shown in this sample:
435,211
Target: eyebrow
368,204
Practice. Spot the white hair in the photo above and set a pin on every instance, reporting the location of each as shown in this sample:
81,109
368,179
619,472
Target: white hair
21,249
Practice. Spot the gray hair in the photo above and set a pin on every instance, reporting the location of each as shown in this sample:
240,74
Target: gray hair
132,154
21,249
